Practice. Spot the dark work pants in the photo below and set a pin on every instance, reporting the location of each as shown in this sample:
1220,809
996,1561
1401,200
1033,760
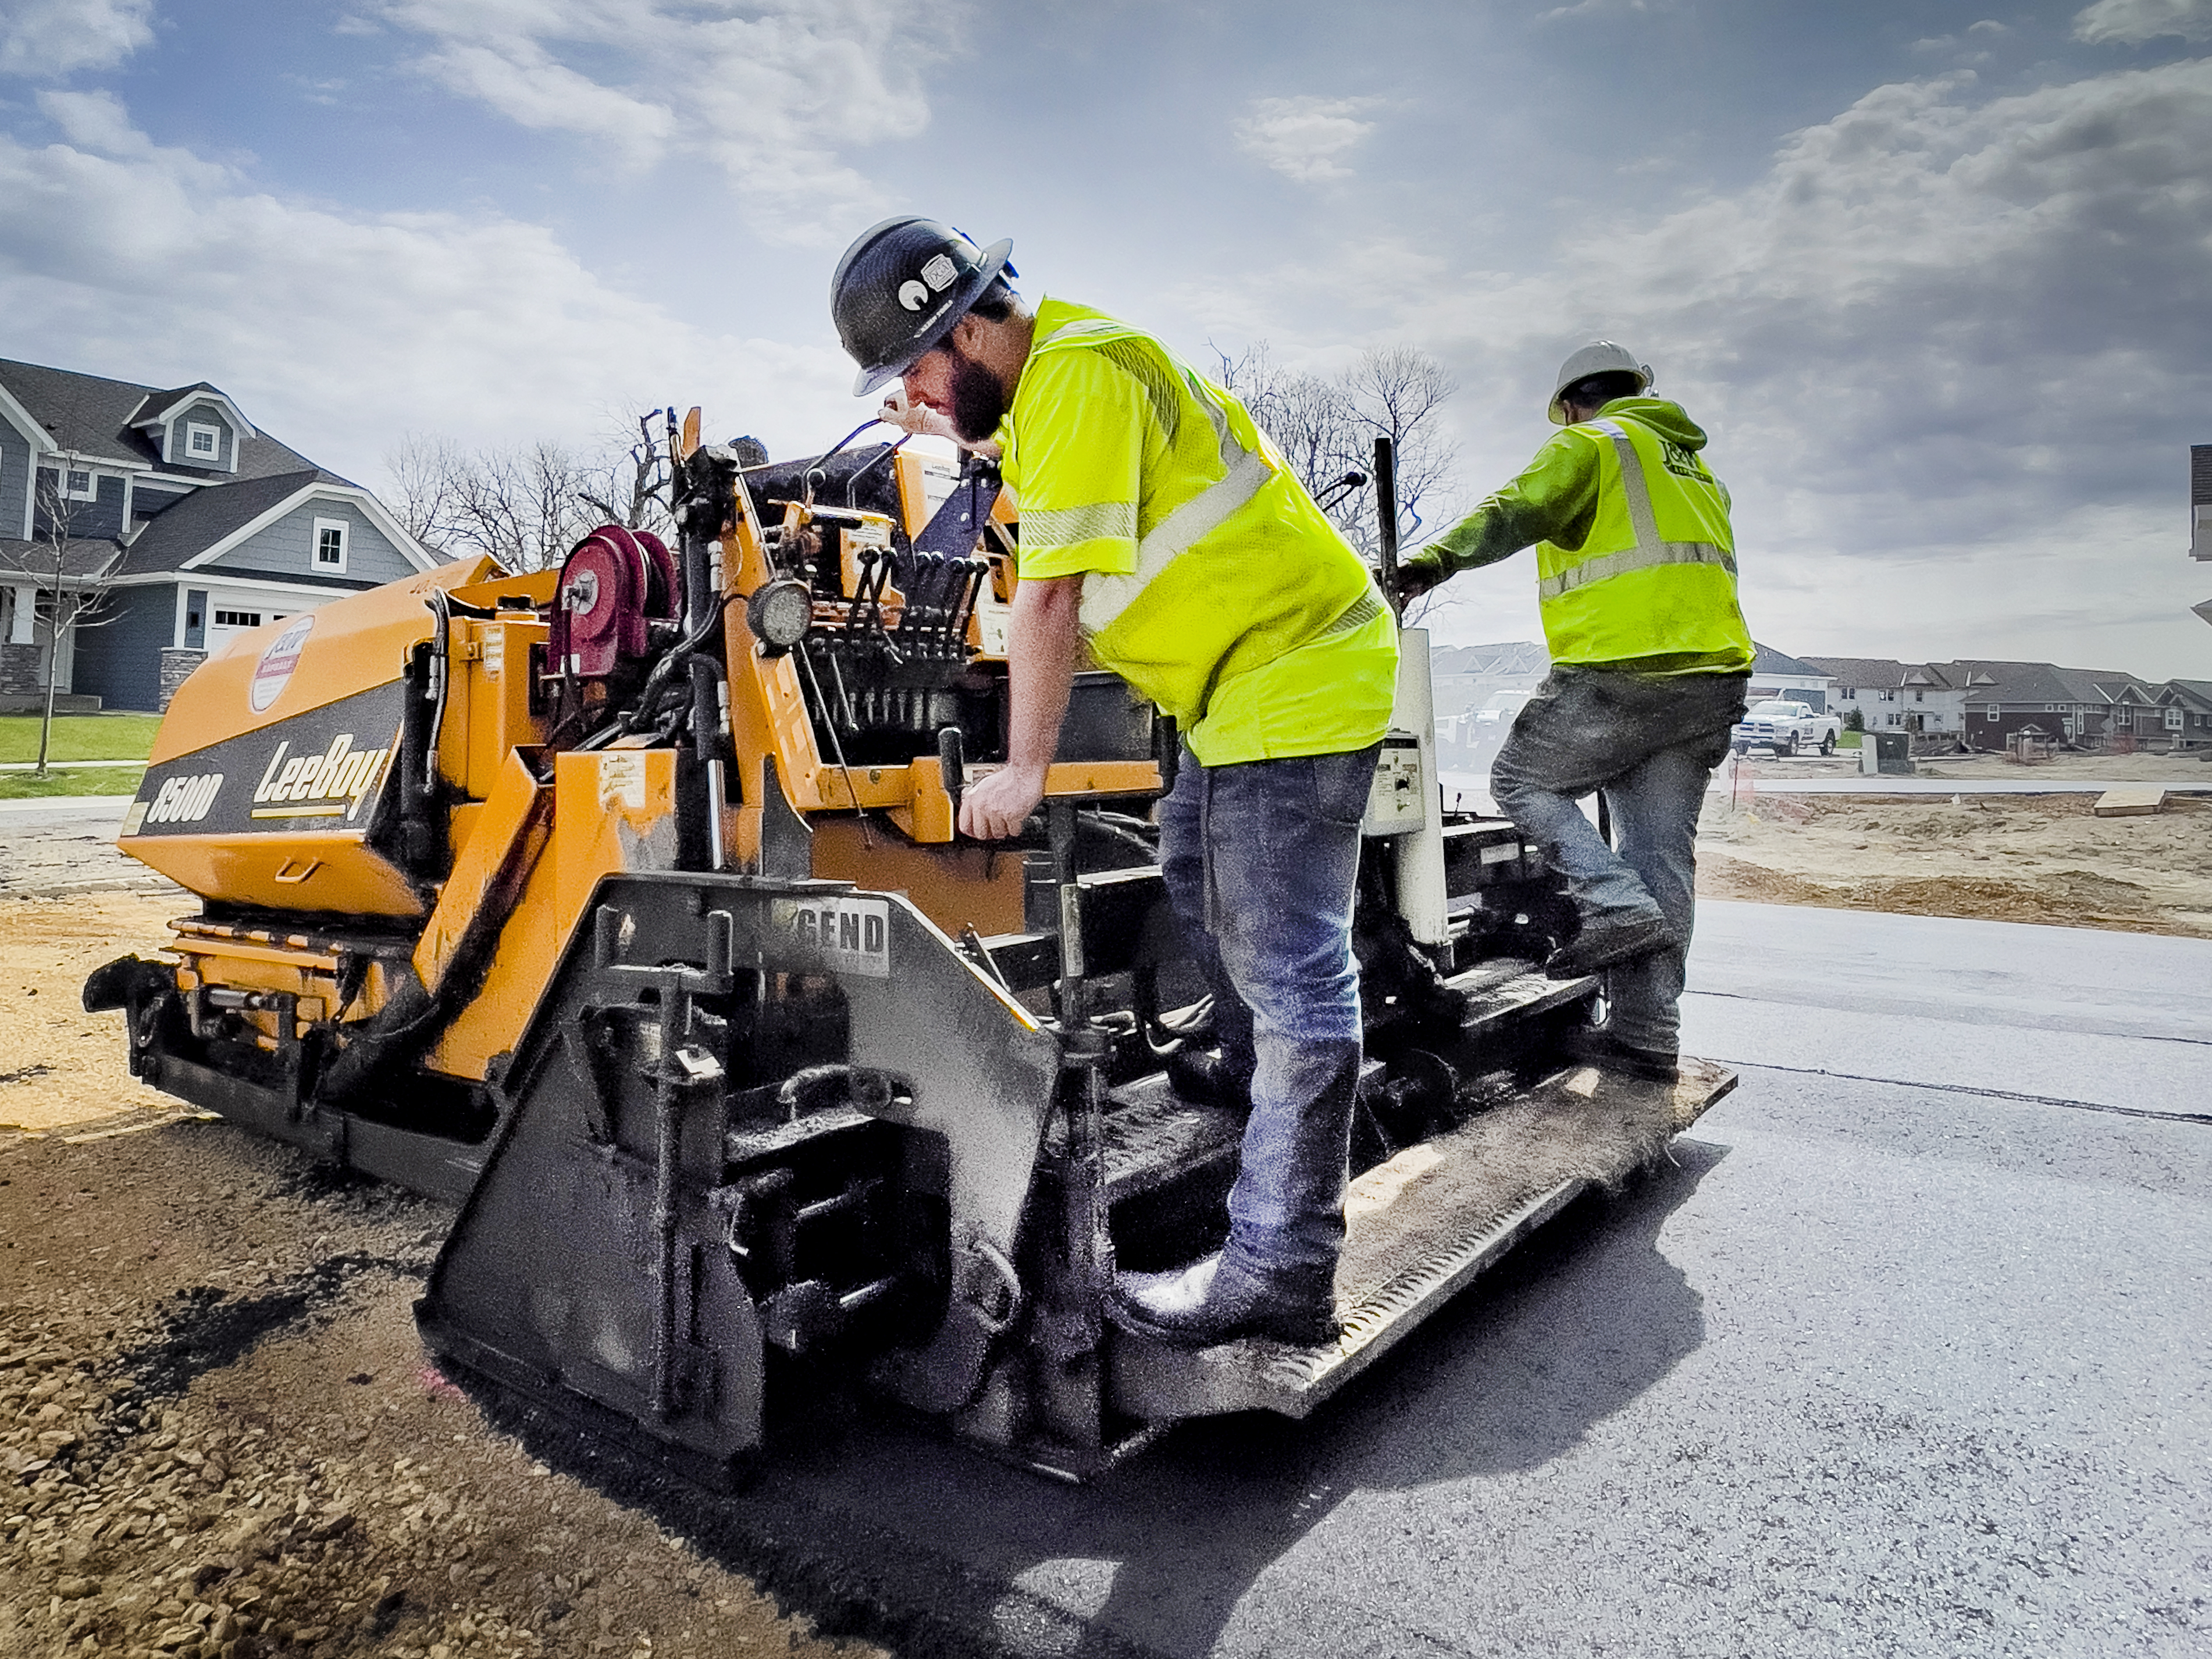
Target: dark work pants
1651,743
1261,859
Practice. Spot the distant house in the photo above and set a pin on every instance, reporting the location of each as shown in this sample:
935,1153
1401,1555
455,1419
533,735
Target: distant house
1777,674
1889,695
2185,714
2081,705
199,526
1464,676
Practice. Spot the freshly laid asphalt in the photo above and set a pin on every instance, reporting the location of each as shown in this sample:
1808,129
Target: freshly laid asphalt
1905,1355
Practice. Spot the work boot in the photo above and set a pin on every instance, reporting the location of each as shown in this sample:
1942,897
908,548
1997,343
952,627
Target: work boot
1608,937
1208,1301
1609,1054
1208,1078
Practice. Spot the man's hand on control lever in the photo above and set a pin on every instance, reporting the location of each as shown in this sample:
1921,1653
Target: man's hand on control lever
997,804
1046,644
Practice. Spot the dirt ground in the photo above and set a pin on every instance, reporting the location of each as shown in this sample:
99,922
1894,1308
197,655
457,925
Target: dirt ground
2004,858
1997,768
219,1437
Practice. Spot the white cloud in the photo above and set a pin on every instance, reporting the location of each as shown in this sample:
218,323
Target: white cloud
41,39
95,120
340,332
772,93
1597,9
1943,335
2131,22
1947,346
1302,137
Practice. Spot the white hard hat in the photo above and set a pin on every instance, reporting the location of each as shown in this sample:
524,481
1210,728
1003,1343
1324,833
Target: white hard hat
1599,357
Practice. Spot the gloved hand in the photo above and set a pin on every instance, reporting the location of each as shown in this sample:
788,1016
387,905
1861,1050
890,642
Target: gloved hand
1417,576
913,418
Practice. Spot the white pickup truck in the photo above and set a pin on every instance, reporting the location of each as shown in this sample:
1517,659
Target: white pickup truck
1786,727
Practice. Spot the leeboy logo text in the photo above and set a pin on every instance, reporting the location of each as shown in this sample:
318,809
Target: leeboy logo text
319,785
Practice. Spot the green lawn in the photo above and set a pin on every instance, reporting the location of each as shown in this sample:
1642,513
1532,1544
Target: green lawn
1850,740
87,781
80,736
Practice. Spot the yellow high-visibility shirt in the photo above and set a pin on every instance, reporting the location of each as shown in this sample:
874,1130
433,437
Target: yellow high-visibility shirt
1211,581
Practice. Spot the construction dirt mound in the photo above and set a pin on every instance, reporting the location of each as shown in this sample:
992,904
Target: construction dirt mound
2033,858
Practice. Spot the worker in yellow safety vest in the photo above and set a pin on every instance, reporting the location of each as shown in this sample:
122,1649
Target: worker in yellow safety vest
1636,583
1162,532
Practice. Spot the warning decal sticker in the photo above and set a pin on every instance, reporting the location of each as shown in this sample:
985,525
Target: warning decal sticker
281,655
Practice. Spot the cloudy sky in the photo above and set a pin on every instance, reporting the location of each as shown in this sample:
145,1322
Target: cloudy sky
1937,277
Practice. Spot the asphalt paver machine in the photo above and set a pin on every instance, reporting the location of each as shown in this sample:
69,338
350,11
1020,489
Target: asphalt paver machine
623,903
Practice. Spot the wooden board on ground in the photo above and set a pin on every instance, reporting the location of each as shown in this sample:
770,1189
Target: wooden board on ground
2132,801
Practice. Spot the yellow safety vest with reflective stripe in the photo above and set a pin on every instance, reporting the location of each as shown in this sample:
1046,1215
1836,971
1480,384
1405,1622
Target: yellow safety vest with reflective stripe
1211,581
1655,577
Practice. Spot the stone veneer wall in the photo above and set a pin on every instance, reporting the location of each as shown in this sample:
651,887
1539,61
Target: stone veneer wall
19,671
176,665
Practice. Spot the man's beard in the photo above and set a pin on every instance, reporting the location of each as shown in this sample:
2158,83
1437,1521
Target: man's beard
979,401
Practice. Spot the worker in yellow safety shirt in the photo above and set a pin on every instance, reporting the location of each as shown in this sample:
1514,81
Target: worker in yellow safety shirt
1162,532
1636,583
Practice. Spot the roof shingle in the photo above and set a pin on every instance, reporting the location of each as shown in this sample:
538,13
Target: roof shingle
91,416
206,516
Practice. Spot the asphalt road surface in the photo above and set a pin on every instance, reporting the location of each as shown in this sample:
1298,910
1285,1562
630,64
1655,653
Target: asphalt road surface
1906,1356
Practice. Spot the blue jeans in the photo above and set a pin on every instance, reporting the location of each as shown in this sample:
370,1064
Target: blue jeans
1650,742
1261,860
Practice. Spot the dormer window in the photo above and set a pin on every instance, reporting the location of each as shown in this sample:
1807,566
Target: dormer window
330,546
203,443
79,485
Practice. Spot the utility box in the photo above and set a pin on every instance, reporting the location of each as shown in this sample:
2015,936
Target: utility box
1888,753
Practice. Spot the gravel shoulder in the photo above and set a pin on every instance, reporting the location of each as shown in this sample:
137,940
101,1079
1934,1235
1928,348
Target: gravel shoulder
226,1444
219,1435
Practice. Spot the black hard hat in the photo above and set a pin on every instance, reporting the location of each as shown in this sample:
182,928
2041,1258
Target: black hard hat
900,289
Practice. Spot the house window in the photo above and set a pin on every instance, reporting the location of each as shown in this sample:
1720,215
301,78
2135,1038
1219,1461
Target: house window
2173,719
1920,696
203,443
2125,717
1991,714
330,546
1892,720
238,619
79,485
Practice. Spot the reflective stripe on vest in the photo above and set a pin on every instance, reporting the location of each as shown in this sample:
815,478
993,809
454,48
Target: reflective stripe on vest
1649,549
1106,596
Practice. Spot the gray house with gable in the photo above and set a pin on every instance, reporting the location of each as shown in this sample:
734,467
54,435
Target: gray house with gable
196,526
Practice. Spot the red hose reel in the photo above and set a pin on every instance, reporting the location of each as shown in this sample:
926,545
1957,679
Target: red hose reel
614,583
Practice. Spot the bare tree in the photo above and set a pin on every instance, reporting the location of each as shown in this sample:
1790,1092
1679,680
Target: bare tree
1399,393
633,467
422,472
74,599
528,505
1326,426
